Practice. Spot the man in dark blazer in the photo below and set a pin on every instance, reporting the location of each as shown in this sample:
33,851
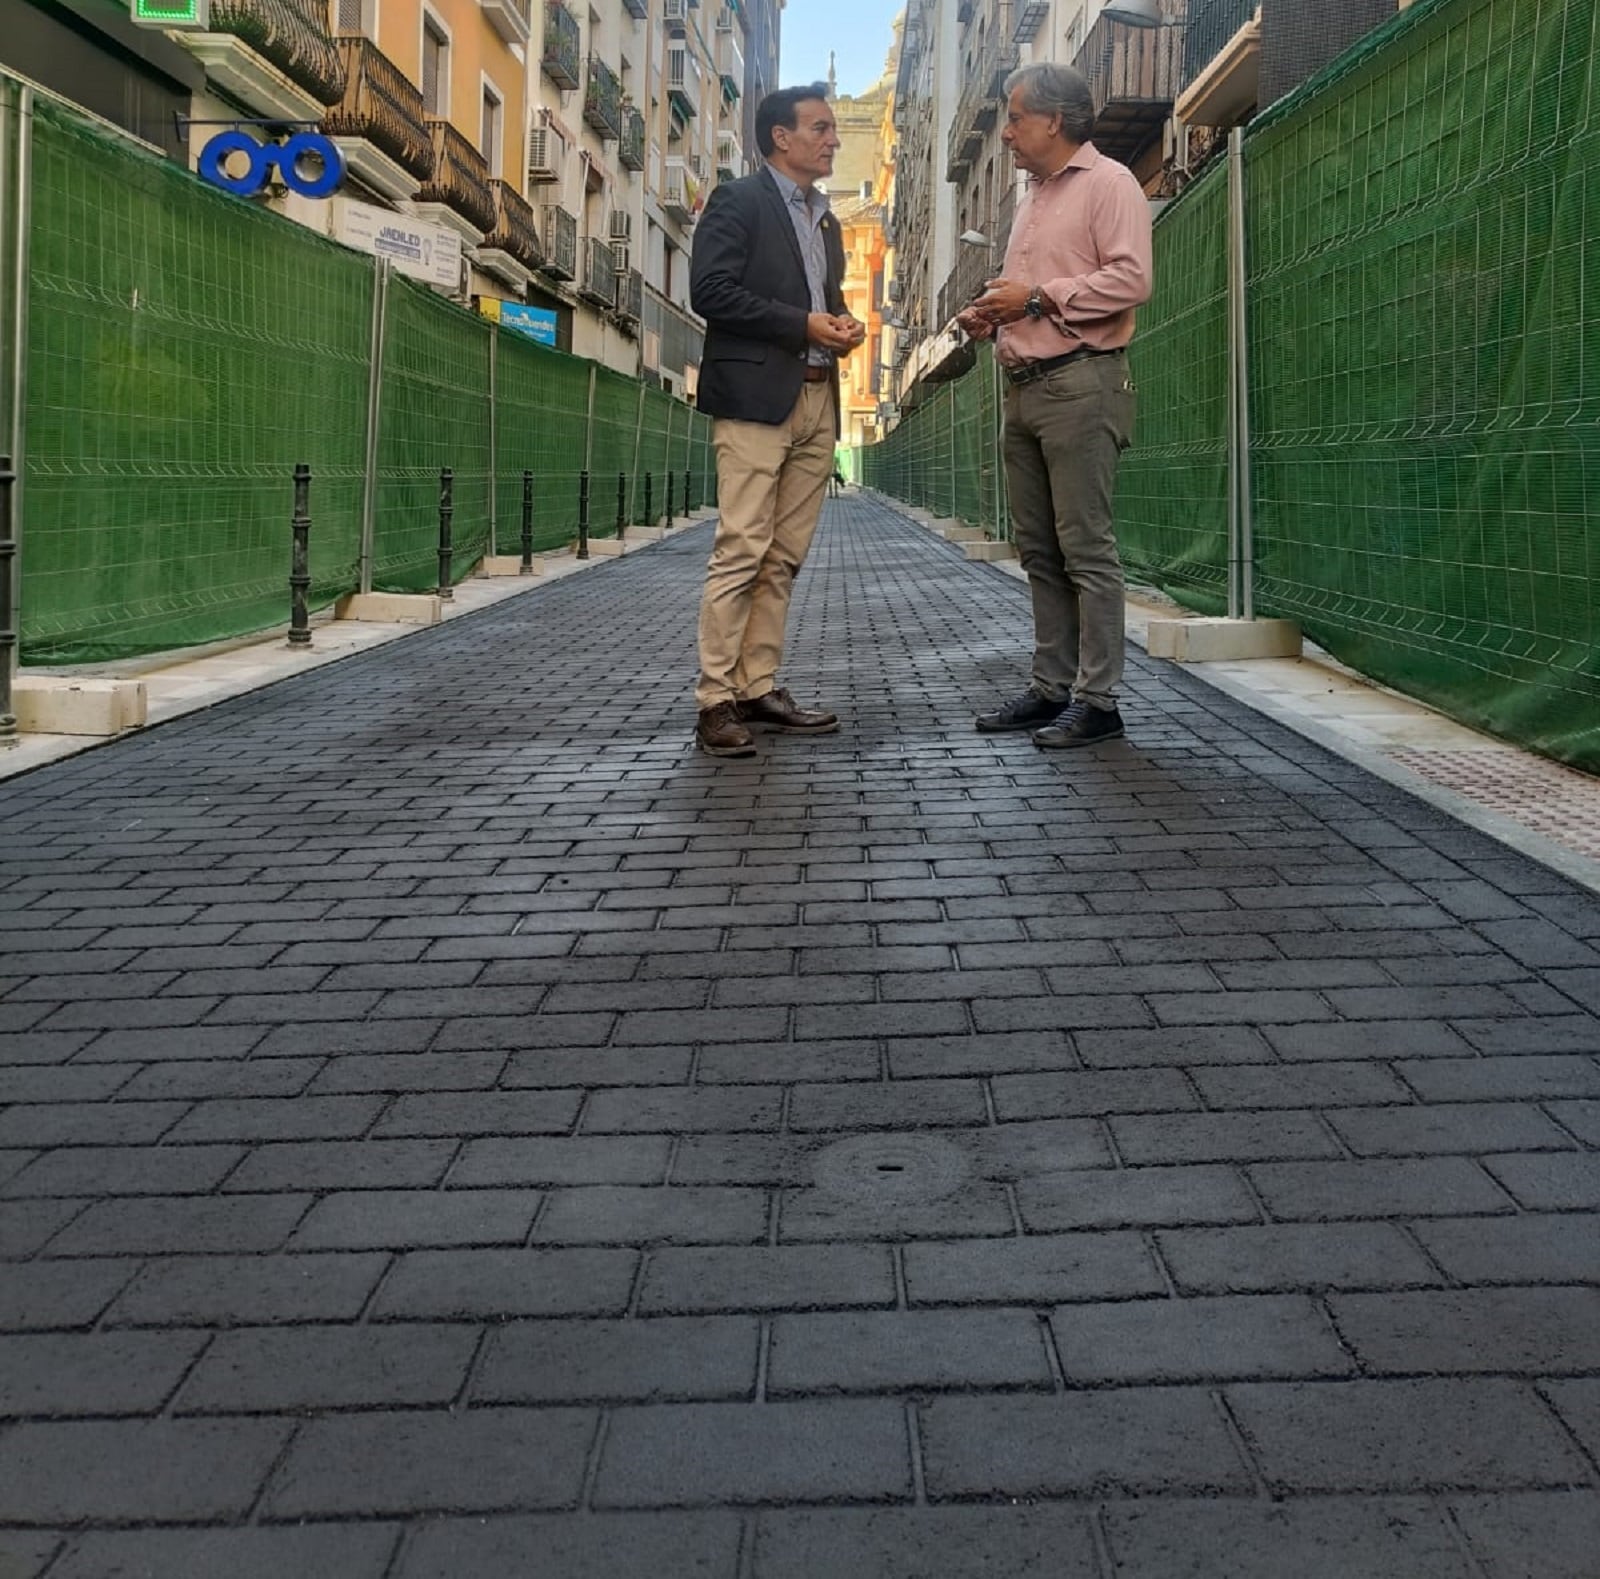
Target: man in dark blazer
766,276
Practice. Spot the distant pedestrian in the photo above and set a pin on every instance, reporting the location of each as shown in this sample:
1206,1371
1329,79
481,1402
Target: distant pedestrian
1062,313
836,483
767,277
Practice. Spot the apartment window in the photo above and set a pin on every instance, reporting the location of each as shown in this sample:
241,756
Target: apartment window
435,68
355,16
493,120
1075,34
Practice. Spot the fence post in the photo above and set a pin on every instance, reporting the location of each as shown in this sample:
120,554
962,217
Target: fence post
667,498
369,480
1241,536
649,503
494,344
19,223
583,514
300,558
638,436
622,505
8,633
526,568
686,506
447,510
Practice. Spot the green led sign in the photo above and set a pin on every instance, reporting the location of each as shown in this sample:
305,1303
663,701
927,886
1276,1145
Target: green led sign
172,13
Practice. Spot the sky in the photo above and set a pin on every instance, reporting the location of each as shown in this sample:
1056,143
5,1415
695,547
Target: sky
858,32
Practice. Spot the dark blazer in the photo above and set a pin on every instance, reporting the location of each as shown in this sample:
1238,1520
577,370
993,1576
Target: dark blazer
748,281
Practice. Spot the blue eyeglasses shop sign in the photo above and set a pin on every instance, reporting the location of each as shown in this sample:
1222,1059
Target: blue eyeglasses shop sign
307,163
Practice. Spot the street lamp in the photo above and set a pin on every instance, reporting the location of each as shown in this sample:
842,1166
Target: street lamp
1135,13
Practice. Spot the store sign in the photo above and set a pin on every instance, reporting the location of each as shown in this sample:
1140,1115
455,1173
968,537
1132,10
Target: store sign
307,163
537,323
430,253
172,13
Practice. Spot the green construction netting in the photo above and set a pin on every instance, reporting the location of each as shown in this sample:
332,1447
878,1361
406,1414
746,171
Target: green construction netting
186,349
1424,372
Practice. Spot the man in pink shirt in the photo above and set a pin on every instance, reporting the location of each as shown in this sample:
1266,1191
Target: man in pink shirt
1061,315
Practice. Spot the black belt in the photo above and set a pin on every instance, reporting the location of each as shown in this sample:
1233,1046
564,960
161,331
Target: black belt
816,374
1032,370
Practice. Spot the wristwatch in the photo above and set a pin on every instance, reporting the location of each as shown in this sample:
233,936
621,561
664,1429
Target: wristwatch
1034,307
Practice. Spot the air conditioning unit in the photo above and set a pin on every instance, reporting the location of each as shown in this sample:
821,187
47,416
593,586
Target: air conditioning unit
545,149
621,225
619,253
894,290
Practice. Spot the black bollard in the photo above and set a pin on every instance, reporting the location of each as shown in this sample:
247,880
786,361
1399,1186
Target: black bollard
526,568
622,504
8,600
300,558
447,510
686,506
649,507
666,478
583,515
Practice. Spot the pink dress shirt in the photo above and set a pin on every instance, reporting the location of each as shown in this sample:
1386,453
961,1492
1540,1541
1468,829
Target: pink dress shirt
1083,236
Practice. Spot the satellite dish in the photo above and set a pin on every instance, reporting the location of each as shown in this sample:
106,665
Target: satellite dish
1136,13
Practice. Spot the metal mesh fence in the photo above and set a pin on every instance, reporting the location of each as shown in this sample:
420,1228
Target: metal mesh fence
1424,370
186,349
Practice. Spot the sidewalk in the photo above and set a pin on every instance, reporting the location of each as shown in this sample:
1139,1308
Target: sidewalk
457,1130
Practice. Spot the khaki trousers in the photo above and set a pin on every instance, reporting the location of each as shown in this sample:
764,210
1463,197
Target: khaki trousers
1064,435
770,483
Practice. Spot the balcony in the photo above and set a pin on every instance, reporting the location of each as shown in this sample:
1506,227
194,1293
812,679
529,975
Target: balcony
274,56
459,185
965,280
730,156
675,13
730,66
639,10
511,19
683,82
680,192
1133,73
1221,63
630,298
562,61
599,283
516,226
379,123
560,244
602,100
630,147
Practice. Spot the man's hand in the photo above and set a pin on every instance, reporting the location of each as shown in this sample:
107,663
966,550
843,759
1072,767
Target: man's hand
973,324
839,333
1003,301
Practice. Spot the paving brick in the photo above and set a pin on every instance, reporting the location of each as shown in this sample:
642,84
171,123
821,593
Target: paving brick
1532,1534
524,1160
1527,1249
1578,1118
1468,1127
190,1080
1131,1439
700,1455
1477,1435
135,1471
1324,1539
289,1118
410,1462
600,1546
1038,1270
409,1072
654,1110
978,1055
790,1277
623,1066
1550,1182
88,1123
913,1104
814,1022
1043,1541
1135,1198
1018,1150
1220,1137
1578,1402
27,1225
125,1170
25,1554
1263,1258
445,1285
1376,1187
1317,1085
1180,1046
458,1113
628,1215
1532,1076
344,1165
248,1290
166,1225
416,1219
1371,1039
53,1375
1075,1094
1540,944
812,1216
1558,1033
1084,1011
300,1369
662,1359
1516,1331
797,1061
352,1551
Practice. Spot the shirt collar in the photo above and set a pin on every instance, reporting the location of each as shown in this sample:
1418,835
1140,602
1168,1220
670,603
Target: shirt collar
790,191
1083,157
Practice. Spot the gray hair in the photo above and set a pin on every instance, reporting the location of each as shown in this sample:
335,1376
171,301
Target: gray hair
1056,90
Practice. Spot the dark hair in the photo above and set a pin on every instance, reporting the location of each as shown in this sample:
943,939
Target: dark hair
1056,90
783,109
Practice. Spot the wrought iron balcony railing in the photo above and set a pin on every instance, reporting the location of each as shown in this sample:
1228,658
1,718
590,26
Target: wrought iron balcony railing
460,178
683,81
516,226
599,282
680,194
1134,74
730,65
382,105
630,147
630,296
560,244
562,61
293,35
602,99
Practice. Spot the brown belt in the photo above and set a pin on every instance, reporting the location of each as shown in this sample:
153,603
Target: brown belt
816,374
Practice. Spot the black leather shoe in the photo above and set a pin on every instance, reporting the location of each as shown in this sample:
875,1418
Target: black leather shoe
1027,711
778,710
719,733
1080,725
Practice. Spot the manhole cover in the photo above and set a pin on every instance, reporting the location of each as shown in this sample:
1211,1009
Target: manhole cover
890,1168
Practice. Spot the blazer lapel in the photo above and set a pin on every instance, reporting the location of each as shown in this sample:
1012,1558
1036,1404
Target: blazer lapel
784,221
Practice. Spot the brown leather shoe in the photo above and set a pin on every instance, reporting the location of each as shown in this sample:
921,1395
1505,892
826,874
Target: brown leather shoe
778,710
719,733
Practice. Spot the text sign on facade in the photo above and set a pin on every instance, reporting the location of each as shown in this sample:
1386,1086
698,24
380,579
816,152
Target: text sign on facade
426,252
538,323
172,13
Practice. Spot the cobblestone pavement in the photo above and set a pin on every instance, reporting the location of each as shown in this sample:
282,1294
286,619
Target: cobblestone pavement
452,1129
